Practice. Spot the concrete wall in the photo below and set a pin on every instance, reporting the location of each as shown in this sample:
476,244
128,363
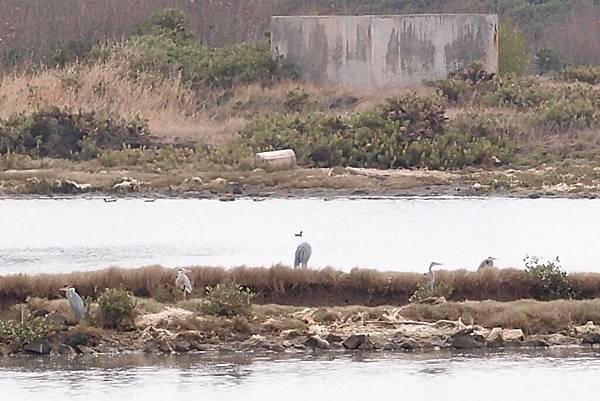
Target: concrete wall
384,51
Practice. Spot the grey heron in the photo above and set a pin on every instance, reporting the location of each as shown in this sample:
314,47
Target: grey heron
302,255
431,273
183,282
486,264
75,301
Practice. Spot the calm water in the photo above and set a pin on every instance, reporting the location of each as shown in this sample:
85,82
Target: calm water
401,234
550,375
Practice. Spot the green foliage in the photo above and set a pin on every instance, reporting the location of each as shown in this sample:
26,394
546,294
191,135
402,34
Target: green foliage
512,50
551,282
567,113
56,133
587,74
169,22
424,291
21,333
548,60
229,300
163,46
409,131
116,306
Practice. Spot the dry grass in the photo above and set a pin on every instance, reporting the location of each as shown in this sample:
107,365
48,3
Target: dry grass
528,315
175,113
283,285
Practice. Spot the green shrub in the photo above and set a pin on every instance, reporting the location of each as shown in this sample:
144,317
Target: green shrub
56,133
551,281
164,47
229,300
548,60
512,50
587,74
569,107
409,131
20,333
116,307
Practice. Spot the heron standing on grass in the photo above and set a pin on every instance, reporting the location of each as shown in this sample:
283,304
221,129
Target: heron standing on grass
431,273
75,301
183,282
486,264
302,255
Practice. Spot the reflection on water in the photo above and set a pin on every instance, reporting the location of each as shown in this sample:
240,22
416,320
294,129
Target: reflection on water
547,375
400,234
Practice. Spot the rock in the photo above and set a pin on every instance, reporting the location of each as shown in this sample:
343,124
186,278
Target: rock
591,339
317,342
219,181
494,339
560,339
182,346
150,348
127,184
165,347
409,344
277,347
291,333
85,350
65,350
536,343
196,345
466,339
4,350
358,341
432,301
513,335
500,337
76,339
38,347
57,321
39,313
236,189
333,338
70,187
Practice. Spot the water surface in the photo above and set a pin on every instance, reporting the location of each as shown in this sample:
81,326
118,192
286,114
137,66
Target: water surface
400,234
547,375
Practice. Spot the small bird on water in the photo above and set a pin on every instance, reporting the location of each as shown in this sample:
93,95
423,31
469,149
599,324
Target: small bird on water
183,282
298,234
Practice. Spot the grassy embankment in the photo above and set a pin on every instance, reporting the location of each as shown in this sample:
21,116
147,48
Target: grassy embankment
492,298
163,109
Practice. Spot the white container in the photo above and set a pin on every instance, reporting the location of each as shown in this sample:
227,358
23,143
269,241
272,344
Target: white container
277,159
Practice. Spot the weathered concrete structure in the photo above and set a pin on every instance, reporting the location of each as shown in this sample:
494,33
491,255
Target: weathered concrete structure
385,50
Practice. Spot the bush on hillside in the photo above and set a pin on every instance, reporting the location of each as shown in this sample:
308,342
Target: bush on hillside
551,282
229,300
548,60
409,131
20,333
587,74
164,46
57,133
116,307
